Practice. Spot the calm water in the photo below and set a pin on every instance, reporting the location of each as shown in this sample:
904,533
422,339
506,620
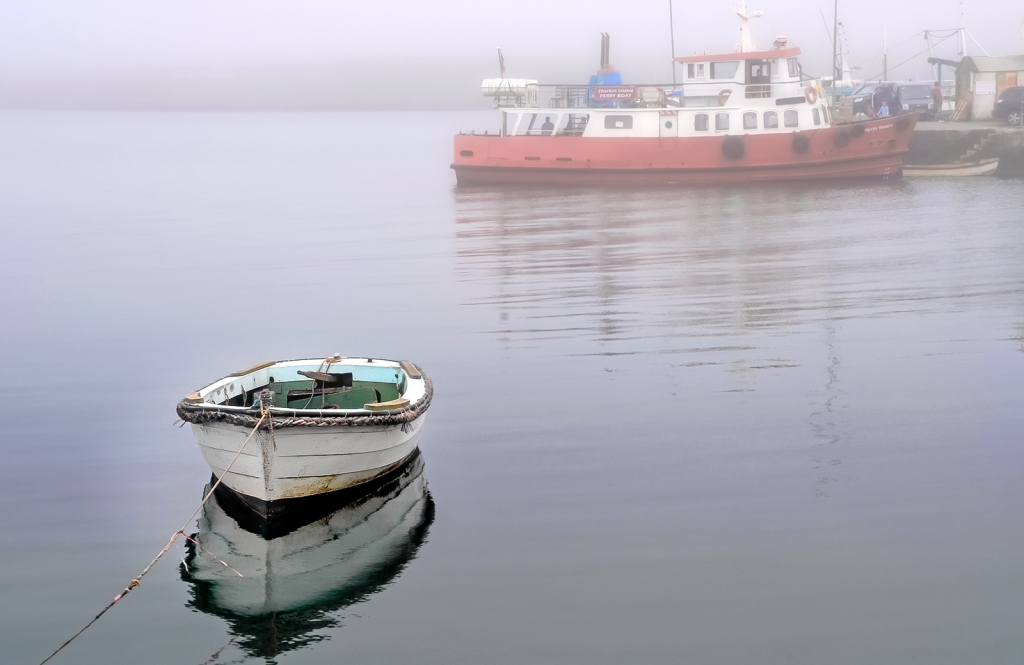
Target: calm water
764,425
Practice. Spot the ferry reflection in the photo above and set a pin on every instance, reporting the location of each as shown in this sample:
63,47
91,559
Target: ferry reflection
292,584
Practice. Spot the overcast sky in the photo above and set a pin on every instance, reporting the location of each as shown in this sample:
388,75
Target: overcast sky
535,35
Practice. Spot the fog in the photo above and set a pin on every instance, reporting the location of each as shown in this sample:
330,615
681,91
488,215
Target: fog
314,54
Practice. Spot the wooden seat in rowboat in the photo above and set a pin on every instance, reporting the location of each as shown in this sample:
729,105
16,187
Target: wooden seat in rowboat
343,398
302,393
387,406
341,379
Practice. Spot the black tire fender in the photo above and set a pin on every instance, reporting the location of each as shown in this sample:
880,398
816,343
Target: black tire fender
841,138
902,124
732,147
857,131
801,143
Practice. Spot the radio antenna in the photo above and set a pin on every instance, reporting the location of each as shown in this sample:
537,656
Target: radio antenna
672,37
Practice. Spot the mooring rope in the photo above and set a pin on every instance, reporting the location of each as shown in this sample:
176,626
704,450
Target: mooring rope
180,532
312,392
216,655
200,414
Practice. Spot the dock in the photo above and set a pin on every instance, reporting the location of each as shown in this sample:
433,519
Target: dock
959,142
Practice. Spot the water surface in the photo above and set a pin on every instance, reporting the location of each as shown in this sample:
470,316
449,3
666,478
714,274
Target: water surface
775,424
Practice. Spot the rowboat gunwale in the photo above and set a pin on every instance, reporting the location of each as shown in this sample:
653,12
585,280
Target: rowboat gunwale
969,169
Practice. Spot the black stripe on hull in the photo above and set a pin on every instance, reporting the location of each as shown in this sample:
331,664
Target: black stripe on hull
272,519
881,166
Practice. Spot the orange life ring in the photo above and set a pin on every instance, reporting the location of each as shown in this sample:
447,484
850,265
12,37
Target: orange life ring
723,97
811,94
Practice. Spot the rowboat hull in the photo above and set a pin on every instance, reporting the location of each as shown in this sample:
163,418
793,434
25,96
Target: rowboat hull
257,432
983,167
295,463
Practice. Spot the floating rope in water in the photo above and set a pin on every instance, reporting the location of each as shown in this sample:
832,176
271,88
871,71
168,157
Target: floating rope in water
180,532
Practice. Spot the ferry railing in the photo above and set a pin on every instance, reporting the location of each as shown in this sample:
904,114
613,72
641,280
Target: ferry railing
703,94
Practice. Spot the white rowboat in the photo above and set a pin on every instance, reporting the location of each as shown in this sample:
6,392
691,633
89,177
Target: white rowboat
983,167
331,425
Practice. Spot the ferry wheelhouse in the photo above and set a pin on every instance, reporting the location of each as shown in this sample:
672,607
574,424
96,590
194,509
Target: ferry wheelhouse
747,116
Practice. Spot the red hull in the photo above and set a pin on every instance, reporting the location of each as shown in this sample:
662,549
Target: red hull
877,152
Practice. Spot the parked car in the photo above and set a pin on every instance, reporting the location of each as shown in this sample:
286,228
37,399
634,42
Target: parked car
1009,105
912,97
871,96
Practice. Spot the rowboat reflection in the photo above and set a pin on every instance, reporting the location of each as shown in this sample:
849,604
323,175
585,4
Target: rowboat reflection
291,584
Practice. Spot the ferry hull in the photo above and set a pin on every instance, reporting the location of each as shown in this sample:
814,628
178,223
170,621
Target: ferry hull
877,151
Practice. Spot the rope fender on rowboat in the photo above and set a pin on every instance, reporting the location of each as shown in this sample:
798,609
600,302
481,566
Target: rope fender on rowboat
199,414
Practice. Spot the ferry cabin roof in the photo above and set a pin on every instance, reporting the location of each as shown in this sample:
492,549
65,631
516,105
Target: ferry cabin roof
755,70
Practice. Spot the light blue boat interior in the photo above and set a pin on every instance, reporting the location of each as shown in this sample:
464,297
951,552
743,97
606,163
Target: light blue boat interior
370,384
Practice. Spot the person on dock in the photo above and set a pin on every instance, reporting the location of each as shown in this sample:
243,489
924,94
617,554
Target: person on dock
548,125
937,98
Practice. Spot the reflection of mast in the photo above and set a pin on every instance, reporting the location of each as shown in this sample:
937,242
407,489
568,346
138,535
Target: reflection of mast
825,429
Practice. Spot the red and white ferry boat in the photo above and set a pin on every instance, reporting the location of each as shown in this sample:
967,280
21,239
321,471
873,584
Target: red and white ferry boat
739,117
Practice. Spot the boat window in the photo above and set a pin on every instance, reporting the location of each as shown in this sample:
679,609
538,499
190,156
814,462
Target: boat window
750,120
572,124
792,118
915,92
721,121
794,69
828,115
547,127
771,120
509,125
816,116
618,122
695,70
724,70
529,125
701,122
